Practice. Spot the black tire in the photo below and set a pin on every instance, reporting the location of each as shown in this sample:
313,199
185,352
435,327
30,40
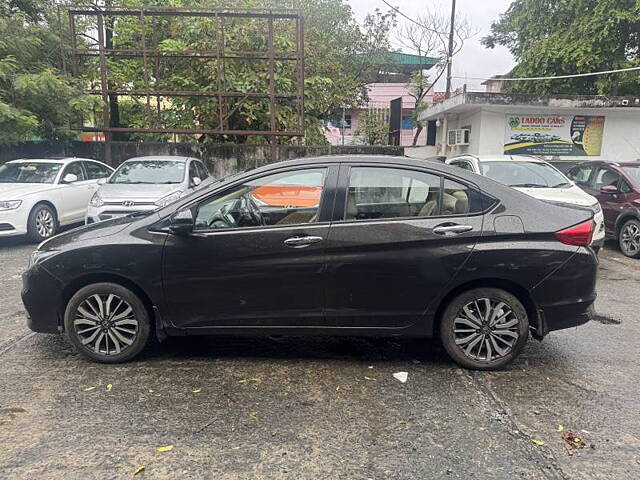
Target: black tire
36,231
110,331
455,316
628,238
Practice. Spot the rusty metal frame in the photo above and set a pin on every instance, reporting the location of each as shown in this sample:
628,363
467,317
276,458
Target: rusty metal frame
150,56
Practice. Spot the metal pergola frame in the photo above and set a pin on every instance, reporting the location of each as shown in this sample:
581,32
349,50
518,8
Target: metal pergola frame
220,55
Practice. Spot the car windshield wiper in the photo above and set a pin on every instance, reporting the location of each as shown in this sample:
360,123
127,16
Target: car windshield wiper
563,184
529,185
166,183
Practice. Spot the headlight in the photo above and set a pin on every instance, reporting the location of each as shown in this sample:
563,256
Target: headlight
164,201
10,204
96,200
596,207
39,255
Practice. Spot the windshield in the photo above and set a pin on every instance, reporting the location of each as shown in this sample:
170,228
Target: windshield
149,171
633,172
29,172
525,174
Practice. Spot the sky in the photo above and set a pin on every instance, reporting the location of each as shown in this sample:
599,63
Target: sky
474,60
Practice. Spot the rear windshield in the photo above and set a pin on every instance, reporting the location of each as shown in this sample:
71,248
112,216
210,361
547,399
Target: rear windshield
29,172
149,171
633,172
525,174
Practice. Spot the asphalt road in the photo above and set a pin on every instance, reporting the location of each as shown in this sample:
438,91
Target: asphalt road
304,408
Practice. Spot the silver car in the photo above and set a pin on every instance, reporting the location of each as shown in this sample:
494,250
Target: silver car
144,184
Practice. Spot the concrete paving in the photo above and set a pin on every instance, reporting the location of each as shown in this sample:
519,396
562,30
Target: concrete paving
305,408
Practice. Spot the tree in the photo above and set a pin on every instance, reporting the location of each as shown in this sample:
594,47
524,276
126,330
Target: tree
36,98
373,126
428,36
568,37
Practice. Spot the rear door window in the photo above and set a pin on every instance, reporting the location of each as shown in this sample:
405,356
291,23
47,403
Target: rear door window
459,199
380,192
581,175
96,171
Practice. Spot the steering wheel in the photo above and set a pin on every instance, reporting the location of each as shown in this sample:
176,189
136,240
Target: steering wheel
222,219
253,209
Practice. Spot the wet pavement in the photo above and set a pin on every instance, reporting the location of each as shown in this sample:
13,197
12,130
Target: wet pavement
305,408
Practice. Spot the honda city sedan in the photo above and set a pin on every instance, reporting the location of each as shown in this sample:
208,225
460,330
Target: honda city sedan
378,246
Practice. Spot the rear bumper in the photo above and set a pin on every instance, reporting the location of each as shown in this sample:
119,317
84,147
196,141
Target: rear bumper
565,298
41,293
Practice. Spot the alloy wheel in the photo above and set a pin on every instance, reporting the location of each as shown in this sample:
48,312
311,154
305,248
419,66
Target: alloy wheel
105,324
45,224
486,329
630,239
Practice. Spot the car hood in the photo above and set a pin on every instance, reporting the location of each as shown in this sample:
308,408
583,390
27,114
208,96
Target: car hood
572,195
88,232
147,192
15,191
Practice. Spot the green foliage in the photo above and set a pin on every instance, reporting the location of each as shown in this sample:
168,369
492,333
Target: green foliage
36,97
565,37
373,127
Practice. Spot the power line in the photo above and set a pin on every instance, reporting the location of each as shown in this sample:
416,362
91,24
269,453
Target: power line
555,77
397,10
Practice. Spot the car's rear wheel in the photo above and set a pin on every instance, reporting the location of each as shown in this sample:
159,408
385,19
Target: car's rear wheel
42,223
107,323
629,238
484,328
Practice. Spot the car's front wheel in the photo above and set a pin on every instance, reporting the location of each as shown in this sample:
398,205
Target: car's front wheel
107,323
484,328
42,223
629,238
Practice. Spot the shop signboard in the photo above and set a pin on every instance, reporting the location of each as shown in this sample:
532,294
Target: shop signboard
559,135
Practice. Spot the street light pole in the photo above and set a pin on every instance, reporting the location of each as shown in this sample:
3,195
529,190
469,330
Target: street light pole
450,49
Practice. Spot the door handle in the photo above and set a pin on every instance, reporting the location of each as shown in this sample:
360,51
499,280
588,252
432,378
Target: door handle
302,242
451,229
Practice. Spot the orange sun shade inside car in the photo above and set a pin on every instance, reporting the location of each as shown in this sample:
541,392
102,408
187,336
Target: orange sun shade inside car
288,195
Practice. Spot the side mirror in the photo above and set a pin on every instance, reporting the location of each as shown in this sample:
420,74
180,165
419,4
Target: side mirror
102,181
196,181
182,222
609,189
70,178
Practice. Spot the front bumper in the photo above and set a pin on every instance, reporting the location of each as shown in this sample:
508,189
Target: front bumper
41,296
13,222
598,234
115,210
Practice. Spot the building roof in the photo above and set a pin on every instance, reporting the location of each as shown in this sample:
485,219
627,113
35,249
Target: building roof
505,101
407,59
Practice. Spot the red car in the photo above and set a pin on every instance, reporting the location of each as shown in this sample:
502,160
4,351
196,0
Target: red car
616,185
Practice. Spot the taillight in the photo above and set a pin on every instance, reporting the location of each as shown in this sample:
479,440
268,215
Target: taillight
579,235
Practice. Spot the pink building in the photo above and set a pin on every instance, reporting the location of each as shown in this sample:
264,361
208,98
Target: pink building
380,96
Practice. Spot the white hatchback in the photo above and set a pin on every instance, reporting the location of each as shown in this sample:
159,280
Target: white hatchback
37,196
536,178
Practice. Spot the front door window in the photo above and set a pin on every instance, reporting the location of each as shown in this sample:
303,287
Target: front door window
289,198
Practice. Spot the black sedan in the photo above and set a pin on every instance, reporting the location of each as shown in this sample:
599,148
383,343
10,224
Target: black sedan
330,245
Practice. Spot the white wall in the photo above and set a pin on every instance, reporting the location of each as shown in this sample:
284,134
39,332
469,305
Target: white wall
621,140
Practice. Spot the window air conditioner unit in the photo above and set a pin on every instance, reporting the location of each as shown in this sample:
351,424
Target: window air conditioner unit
458,137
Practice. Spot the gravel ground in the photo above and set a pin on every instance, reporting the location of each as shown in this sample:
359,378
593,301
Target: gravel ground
304,408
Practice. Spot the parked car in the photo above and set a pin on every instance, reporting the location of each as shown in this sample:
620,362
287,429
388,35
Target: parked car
38,196
144,184
537,178
392,246
617,186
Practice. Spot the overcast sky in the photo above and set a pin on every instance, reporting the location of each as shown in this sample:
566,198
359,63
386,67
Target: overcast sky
474,60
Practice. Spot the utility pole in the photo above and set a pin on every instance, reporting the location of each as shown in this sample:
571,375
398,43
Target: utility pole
450,49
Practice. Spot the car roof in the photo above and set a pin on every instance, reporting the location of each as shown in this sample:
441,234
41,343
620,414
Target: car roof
613,163
502,158
64,160
160,158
